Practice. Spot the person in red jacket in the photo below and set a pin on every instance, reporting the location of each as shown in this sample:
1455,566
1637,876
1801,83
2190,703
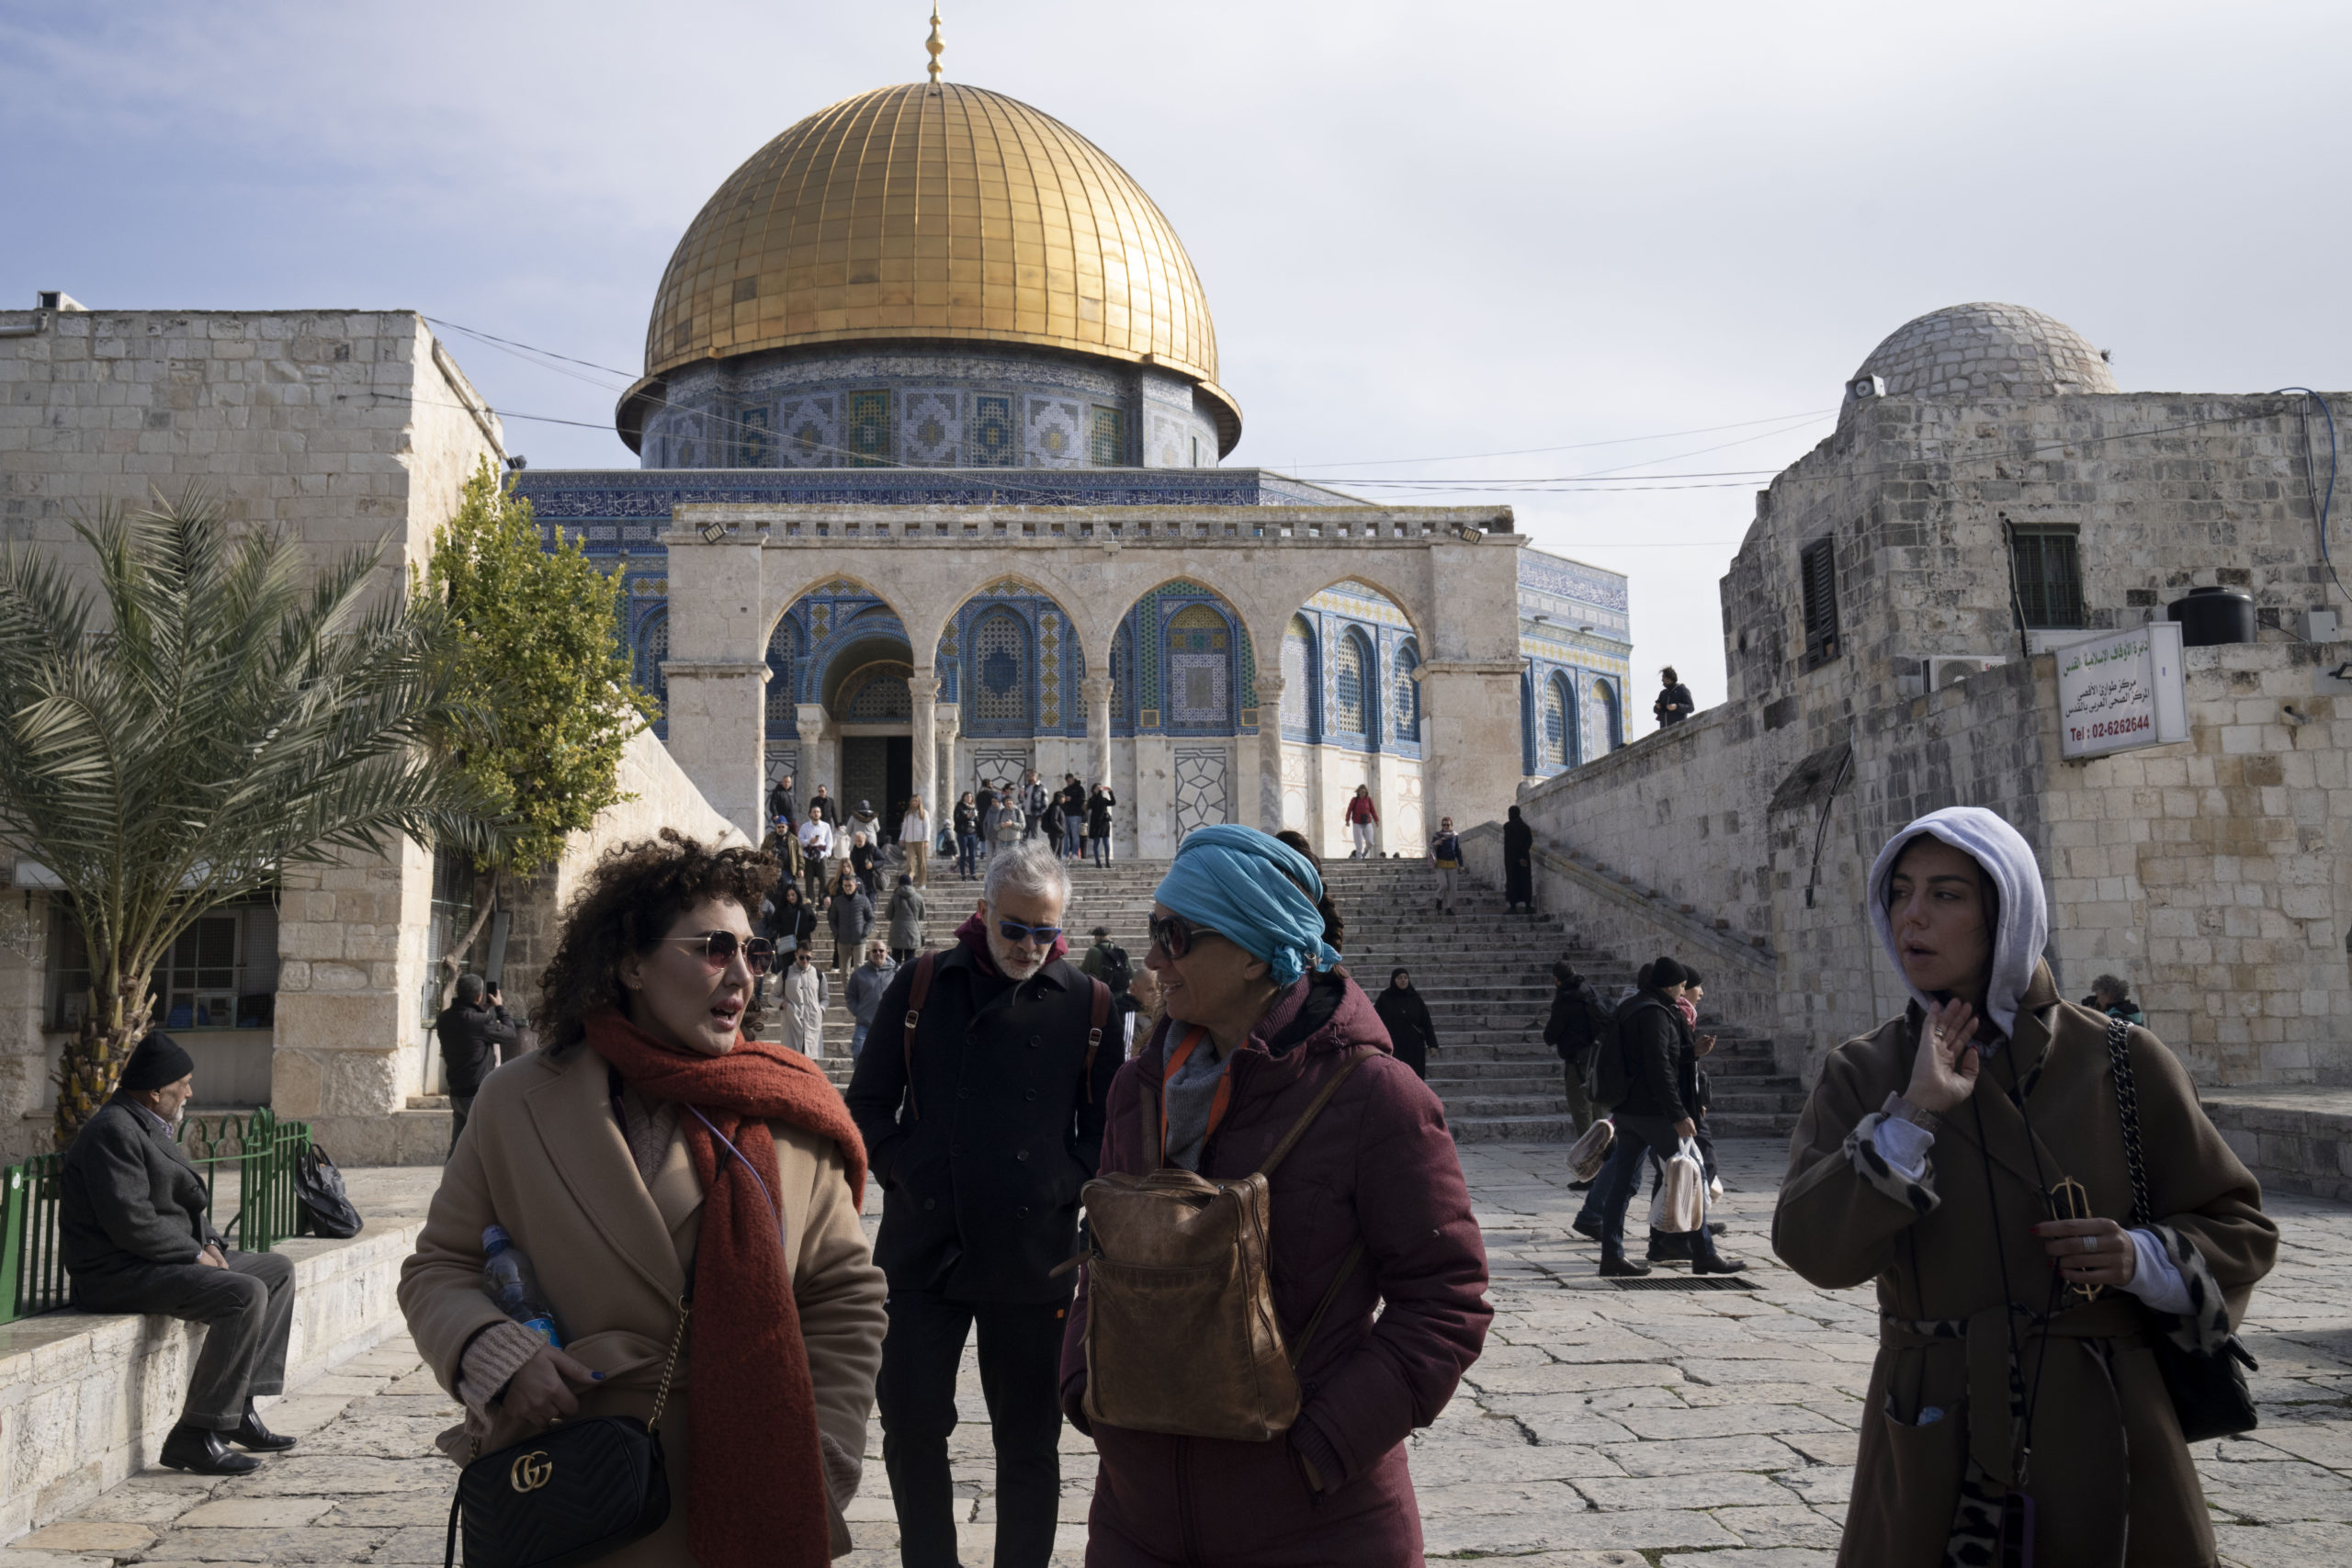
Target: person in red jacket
1363,817
1248,987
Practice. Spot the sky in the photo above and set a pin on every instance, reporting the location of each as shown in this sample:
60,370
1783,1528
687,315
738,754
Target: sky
1488,249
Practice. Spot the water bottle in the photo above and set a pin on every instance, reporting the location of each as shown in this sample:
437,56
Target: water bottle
508,1280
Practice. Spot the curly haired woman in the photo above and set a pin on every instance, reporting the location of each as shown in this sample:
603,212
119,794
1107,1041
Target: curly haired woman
653,1142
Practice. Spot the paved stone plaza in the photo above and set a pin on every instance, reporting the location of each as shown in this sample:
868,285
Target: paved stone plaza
1603,1426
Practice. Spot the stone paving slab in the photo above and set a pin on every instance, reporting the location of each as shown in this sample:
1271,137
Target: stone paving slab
1604,1429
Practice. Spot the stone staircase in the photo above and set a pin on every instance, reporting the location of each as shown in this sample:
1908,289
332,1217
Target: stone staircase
1485,972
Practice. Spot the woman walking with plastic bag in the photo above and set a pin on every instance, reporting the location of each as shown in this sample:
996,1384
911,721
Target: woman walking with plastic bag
2034,1373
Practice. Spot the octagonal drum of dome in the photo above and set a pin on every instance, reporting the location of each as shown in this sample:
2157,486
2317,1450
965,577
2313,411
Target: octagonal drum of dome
1986,351
931,212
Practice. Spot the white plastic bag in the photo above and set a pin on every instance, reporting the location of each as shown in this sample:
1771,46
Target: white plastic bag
1591,1151
1680,1205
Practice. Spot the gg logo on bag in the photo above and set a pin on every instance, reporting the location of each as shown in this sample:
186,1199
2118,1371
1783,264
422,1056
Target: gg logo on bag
532,1470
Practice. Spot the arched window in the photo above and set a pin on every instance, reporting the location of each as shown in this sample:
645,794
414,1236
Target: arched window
652,647
1196,677
1559,705
1409,693
1301,701
1609,722
1000,669
784,698
1122,669
878,695
1351,683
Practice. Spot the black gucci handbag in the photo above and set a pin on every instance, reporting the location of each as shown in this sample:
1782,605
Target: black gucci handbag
576,1492
2208,1392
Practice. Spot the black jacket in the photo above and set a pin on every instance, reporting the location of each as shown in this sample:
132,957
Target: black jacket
981,1165
1575,1022
128,1197
797,921
967,819
1098,814
467,1035
781,804
1654,1037
1410,1033
1677,697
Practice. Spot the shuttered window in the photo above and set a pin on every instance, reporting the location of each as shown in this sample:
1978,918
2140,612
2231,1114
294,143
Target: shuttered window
2048,562
1818,565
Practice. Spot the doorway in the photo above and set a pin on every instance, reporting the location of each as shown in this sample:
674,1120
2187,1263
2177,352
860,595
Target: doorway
880,768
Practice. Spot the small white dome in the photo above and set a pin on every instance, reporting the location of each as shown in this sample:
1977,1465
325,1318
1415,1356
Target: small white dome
1987,351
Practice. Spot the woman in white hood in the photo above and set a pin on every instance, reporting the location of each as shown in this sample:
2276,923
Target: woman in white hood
2017,1385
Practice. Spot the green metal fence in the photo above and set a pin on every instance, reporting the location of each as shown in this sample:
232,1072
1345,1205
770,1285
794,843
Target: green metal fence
246,1159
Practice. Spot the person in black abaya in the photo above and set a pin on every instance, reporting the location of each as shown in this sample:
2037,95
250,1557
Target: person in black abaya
1519,862
1407,1017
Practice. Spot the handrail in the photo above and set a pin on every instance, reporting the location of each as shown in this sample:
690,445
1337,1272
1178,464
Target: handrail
264,1150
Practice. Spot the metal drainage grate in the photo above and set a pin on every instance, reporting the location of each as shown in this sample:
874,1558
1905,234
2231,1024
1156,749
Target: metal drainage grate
1686,1282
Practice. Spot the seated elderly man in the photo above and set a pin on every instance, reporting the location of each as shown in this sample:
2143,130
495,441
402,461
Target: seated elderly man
133,1229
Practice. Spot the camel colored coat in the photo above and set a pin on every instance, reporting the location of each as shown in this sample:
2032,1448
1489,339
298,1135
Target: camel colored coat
542,1156
2111,1479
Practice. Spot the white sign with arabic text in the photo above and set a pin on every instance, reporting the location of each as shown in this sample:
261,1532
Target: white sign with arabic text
2122,691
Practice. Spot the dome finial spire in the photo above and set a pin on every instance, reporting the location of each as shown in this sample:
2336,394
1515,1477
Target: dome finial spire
934,44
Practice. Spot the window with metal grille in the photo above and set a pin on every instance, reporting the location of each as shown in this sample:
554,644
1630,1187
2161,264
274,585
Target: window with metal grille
1109,441
1409,693
1557,706
1123,663
783,695
1298,675
1817,568
1000,668
2047,560
1348,672
652,648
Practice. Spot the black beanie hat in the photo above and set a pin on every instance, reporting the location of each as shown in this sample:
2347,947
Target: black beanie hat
156,1062
1666,973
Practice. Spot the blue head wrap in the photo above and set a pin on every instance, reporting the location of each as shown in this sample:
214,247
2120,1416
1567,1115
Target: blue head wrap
1256,892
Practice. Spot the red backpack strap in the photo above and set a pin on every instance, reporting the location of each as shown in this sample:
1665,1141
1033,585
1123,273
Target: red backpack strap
915,999
1101,1015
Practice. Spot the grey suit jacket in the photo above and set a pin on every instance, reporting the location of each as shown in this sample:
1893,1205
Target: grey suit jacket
129,1198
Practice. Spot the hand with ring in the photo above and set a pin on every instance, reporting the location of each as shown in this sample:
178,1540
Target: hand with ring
2091,1252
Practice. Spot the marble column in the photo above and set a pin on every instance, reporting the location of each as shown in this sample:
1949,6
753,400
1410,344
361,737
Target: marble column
1098,730
924,690
1270,750
946,724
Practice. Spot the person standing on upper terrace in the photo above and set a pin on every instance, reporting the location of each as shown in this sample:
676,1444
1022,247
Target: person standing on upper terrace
1925,1160
1673,704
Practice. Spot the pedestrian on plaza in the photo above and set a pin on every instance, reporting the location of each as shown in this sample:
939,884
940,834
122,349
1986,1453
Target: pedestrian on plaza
1364,821
1518,862
1691,1081
1925,1161
1673,704
1032,804
914,839
1051,824
906,919
866,860
471,1037
792,919
1100,806
851,914
135,1236
1574,1030
816,849
1445,859
1010,827
807,994
779,834
985,1117
967,836
654,1140
863,820
992,802
1406,1013
1106,961
1369,1208
782,808
822,804
1140,1006
1651,1120
864,992
2111,993
1701,1094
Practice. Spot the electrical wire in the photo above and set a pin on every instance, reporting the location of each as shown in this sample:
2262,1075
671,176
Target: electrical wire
2321,505
1573,445
629,378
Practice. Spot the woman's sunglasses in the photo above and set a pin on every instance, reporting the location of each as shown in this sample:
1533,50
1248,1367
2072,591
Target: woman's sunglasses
718,949
1173,935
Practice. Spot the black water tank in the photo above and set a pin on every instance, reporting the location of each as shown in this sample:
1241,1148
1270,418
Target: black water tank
2212,615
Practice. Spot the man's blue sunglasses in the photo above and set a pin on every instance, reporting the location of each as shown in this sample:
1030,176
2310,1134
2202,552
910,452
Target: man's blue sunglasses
1013,930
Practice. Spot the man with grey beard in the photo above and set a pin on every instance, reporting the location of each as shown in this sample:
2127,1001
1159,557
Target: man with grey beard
981,1097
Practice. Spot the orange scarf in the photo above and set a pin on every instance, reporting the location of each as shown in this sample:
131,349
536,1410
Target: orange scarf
757,1407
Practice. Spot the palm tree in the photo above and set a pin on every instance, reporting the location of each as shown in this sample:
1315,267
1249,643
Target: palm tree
213,713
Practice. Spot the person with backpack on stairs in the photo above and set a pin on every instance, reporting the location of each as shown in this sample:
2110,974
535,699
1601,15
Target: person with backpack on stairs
1575,1027
1637,1079
1107,962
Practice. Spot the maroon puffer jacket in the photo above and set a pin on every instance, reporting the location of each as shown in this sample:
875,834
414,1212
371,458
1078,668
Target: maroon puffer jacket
1378,1165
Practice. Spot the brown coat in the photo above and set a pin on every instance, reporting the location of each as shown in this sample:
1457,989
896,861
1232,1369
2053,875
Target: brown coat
543,1157
2107,1452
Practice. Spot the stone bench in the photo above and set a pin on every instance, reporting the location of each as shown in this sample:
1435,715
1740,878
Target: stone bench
2296,1139
86,1399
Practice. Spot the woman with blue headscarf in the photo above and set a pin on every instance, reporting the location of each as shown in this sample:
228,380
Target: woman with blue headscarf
1970,1157
1369,1207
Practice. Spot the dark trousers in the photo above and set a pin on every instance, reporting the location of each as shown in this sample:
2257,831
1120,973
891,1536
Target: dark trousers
968,854
246,1308
1029,830
1021,1349
1101,845
1579,1102
460,1105
1620,1179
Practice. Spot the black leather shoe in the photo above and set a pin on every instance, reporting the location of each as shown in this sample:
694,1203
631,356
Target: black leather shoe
1586,1228
199,1449
252,1434
1717,1227
1716,1263
1669,1247
1622,1268
1580,1186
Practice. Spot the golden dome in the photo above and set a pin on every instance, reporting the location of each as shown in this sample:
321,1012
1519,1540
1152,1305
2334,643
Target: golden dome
933,212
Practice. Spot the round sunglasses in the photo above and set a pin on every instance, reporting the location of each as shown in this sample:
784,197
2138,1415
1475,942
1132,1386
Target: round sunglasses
1173,935
718,949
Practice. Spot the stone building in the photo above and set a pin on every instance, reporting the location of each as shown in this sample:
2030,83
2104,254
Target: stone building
935,315
1990,496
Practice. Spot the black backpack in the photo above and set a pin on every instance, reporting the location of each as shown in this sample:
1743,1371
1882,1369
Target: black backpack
326,1207
1118,973
1609,1079
1582,1020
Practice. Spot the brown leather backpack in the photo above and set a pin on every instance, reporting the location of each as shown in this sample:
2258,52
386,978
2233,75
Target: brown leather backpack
1180,1333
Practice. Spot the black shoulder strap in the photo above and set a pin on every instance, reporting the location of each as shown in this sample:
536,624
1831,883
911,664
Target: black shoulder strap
2127,1108
915,999
1101,1015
